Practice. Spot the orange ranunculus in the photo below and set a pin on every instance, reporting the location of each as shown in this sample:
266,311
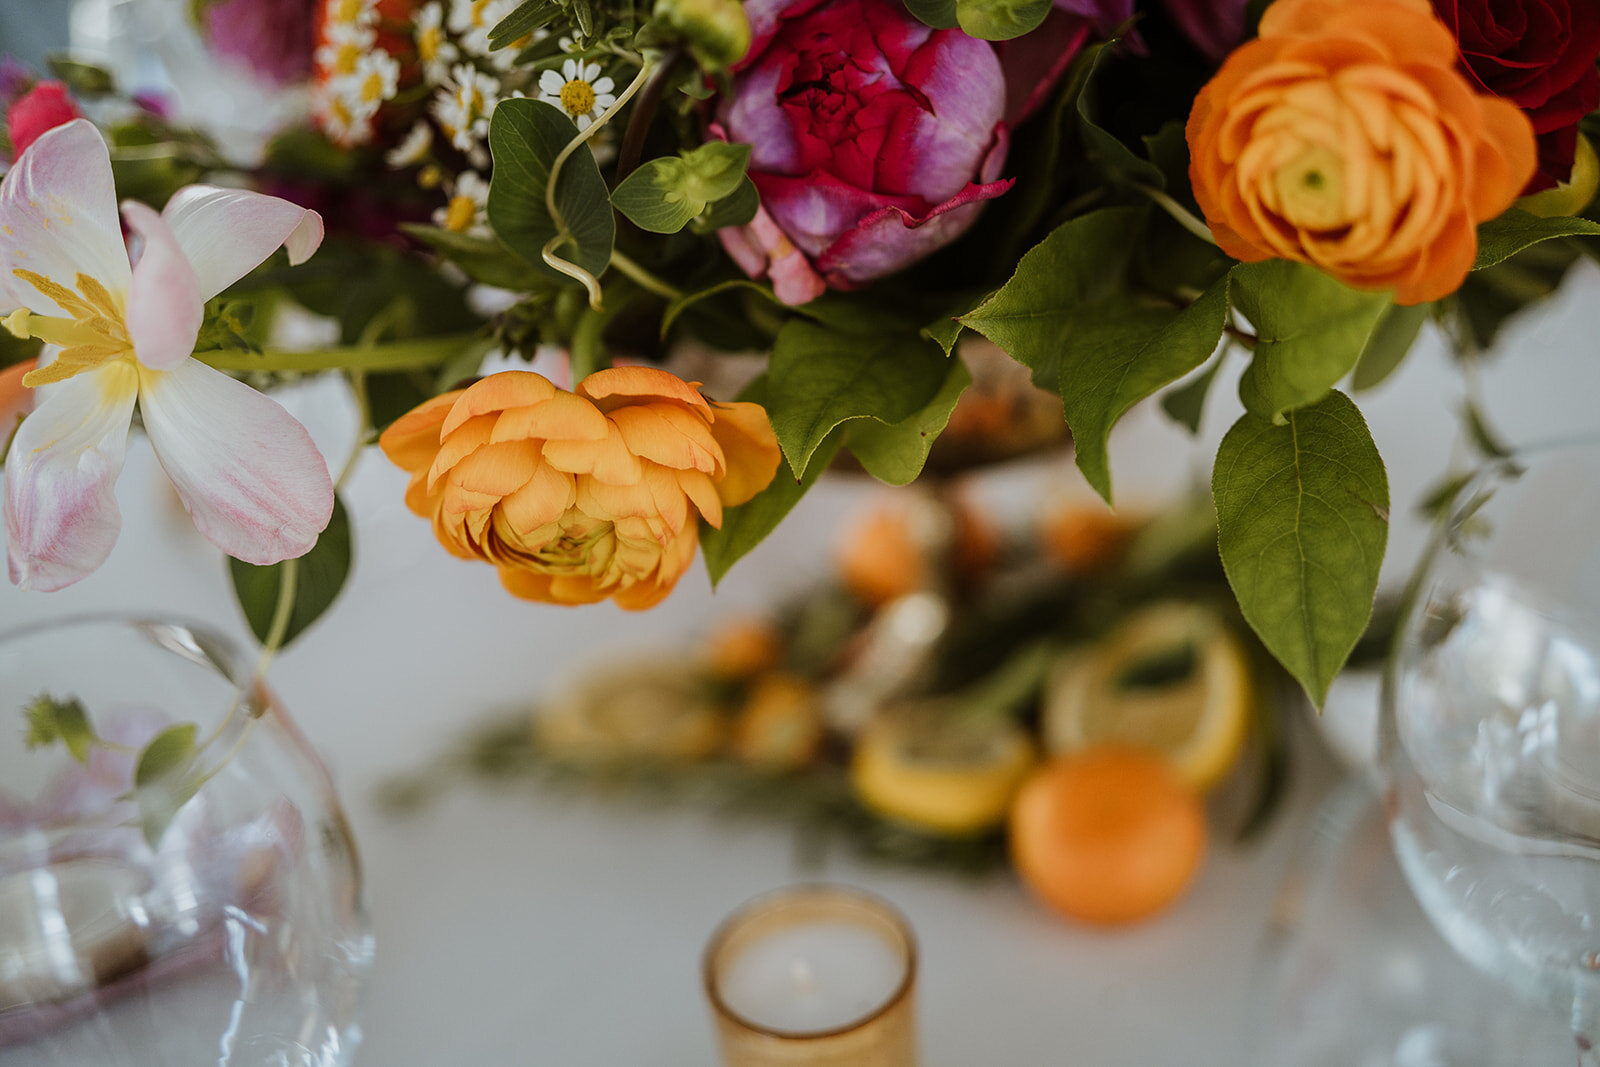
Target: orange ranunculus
577,497
1343,137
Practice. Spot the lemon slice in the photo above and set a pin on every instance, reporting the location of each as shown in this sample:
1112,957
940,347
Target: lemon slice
1172,678
658,712
944,778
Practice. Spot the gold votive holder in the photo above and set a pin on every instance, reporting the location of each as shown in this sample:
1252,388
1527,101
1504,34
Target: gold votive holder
815,975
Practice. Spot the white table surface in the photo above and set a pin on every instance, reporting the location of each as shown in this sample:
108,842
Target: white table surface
523,927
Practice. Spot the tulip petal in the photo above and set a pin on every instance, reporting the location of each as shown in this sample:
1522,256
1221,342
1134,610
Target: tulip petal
58,215
227,233
165,308
60,511
247,471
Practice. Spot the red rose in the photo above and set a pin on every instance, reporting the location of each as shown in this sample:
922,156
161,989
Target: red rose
1540,55
46,106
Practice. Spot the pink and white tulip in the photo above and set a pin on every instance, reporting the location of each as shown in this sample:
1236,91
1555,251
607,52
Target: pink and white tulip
121,331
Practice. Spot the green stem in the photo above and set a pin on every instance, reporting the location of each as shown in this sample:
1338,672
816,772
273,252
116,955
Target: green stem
289,580
395,356
630,269
358,387
1180,214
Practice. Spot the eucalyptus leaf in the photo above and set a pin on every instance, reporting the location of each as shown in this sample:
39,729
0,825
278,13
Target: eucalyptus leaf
1396,333
940,14
525,136
320,574
1302,522
1310,330
1000,20
1510,232
819,378
896,453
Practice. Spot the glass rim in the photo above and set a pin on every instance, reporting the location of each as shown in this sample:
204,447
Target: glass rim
756,906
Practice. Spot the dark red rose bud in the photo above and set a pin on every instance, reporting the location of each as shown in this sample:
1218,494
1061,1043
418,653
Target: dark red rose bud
1540,55
44,107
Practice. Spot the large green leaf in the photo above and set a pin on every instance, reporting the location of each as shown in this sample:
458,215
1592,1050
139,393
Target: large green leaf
1109,155
525,136
1107,350
896,453
820,378
940,14
1058,286
1310,331
1504,236
524,20
320,574
1000,20
1396,333
1302,521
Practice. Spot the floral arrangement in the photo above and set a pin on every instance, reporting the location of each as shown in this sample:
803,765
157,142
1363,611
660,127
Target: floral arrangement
1119,194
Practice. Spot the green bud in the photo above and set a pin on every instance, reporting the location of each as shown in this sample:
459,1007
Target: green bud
717,31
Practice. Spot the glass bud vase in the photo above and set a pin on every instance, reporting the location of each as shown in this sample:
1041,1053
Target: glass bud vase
178,884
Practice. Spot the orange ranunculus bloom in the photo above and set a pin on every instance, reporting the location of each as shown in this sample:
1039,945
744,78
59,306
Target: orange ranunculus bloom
1343,137
582,496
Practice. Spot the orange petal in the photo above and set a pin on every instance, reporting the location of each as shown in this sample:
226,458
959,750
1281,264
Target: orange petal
412,440
491,473
608,460
614,502
616,386
702,491
670,435
561,417
498,392
544,499
750,449
455,447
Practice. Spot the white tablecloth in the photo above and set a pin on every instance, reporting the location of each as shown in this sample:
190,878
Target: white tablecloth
520,927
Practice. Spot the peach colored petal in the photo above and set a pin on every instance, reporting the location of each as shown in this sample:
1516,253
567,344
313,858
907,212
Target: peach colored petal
616,386
608,460
669,434
750,449
508,389
544,499
563,416
456,446
491,472
702,492
412,440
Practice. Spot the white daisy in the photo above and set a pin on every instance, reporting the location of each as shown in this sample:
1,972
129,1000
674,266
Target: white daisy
465,211
473,19
568,45
434,49
578,90
463,106
351,12
337,108
376,78
343,45
412,150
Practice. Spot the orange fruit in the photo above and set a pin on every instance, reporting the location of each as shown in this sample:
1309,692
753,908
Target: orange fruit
1109,834
780,727
743,648
1087,538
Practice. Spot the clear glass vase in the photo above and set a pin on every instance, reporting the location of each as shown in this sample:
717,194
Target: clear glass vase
233,934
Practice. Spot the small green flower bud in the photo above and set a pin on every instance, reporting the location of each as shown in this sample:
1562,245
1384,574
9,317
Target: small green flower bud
717,31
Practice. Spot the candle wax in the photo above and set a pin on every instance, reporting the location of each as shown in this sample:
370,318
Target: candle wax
812,976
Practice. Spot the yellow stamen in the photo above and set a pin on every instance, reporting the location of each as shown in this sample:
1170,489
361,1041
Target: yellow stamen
93,336
462,210
577,97
428,44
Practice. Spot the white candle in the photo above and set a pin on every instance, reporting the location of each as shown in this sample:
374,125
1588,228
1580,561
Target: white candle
812,977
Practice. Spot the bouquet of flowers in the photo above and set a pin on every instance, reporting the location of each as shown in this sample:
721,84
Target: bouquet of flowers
1119,194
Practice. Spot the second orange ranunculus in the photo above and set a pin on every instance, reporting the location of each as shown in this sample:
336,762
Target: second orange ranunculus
1343,137
581,496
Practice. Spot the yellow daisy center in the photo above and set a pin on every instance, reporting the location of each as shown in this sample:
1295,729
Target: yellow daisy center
372,88
347,10
460,213
345,59
577,97
428,44
93,336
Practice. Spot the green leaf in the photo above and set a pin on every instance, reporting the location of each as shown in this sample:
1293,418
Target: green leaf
944,333
525,136
1302,521
1185,404
735,209
1484,439
897,453
483,259
168,753
84,79
819,378
521,22
51,719
663,195
688,300
747,525
1109,155
1058,286
1310,331
1000,20
1504,236
320,575
940,14
1107,350
1396,333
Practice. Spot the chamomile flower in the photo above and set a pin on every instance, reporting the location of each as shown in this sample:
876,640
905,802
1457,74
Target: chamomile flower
376,79
336,105
579,90
343,45
463,106
473,19
465,211
412,150
434,49
350,12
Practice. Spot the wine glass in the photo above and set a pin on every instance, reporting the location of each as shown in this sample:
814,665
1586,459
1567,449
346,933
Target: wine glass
1490,730
218,923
